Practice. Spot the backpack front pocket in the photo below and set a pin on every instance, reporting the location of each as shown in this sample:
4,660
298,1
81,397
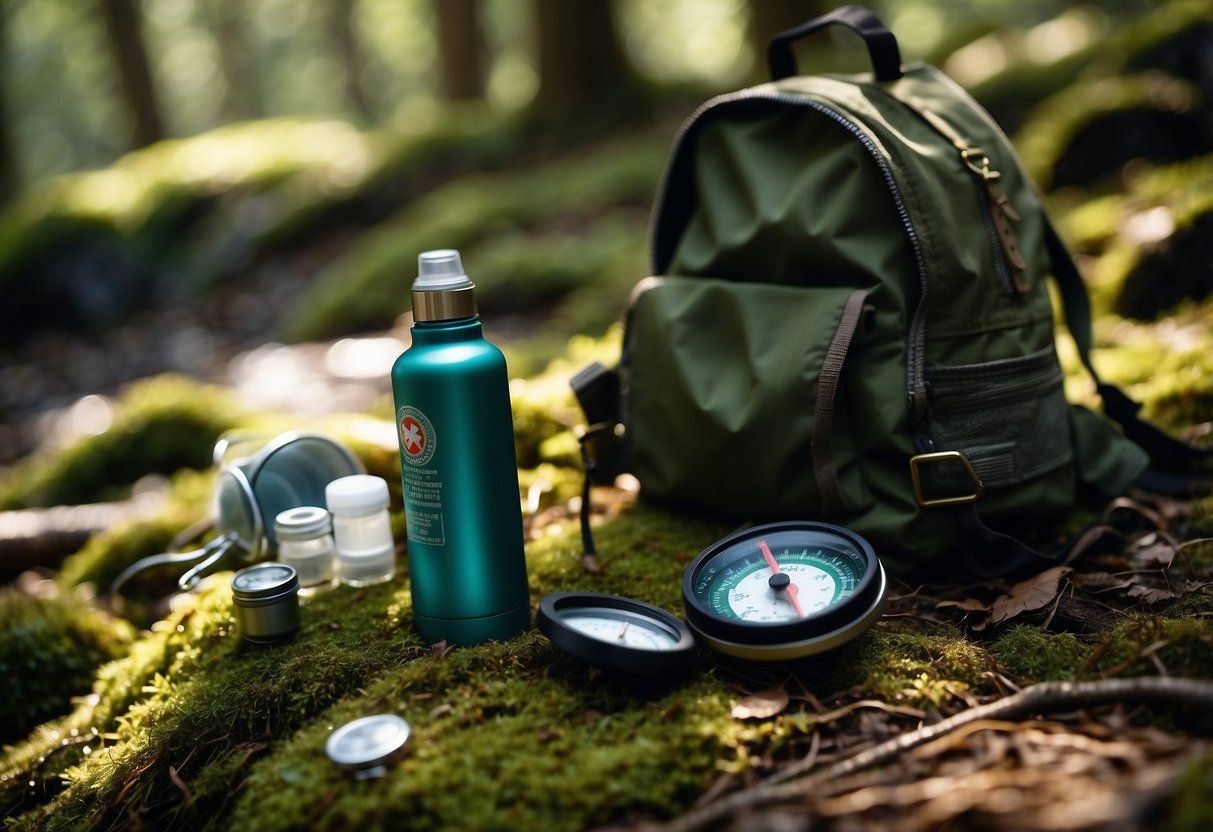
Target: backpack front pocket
1009,417
731,394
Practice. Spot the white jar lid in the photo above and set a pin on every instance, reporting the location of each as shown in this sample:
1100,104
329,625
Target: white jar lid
302,523
358,492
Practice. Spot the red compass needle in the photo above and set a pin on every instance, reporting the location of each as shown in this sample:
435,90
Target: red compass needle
791,588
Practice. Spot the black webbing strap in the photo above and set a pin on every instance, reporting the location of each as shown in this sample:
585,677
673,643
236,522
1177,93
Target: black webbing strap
994,554
991,553
882,46
597,389
1171,461
590,466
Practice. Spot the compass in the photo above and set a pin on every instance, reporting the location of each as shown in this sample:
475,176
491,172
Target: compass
619,634
784,590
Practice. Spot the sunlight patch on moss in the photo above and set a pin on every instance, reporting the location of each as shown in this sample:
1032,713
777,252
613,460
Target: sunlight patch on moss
160,425
369,287
1027,654
924,670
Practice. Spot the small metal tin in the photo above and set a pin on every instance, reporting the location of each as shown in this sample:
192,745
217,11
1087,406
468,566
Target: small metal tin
366,746
266,596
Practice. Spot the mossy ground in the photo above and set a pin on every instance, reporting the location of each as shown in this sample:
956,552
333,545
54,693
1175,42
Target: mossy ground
196,727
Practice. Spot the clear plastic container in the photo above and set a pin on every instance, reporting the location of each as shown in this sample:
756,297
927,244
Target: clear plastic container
362,530
305,542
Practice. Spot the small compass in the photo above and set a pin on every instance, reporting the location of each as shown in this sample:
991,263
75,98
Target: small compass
784,590
616,633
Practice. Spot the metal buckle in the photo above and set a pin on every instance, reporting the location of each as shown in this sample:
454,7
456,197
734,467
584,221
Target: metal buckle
917,461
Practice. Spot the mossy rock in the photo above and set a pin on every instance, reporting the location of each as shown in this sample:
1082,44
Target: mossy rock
174,219
1093,128
1171,272
1168,38
49,653
590,207
1139,93
160,425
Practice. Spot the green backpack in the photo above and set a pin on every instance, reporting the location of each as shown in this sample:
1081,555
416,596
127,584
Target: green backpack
852,323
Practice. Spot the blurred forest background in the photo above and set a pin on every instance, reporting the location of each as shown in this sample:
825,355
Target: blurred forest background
210,213
183,180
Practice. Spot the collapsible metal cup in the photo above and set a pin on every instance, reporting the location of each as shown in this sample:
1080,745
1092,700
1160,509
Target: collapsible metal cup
289,471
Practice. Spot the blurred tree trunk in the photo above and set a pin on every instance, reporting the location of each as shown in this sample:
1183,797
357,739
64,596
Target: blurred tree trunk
460,48
349,50
134,70
237,61
584,79
9,178
770,17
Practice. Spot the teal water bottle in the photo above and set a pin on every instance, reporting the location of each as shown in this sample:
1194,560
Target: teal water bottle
467,567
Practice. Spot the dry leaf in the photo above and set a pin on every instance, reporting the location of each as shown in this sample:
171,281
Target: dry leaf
1153,595
762,705
1160,551
1031,594
1098,580
968,605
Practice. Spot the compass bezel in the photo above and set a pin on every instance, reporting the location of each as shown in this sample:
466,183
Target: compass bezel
840,622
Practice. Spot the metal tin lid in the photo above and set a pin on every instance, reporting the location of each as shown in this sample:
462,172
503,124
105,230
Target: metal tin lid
303,523
263,581
367,744
359,492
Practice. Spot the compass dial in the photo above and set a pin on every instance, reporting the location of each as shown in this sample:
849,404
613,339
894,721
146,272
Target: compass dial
784,590
619,634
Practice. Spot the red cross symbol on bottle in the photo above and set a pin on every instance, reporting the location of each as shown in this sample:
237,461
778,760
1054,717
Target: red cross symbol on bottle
412,435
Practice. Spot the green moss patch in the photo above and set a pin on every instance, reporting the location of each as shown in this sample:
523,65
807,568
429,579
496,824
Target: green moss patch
160,425
50,650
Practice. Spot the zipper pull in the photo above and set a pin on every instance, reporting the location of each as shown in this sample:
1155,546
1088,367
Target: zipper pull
998,205
1002,213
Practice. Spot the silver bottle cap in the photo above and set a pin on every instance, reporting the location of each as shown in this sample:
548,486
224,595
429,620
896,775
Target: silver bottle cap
442,290
365,746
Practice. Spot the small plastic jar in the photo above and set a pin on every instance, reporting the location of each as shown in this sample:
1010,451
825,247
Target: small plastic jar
305,541
362,531
266,596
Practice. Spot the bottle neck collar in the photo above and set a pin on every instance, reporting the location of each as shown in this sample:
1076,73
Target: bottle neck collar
444,305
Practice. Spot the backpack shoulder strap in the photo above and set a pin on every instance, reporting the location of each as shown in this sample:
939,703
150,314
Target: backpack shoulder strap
1173,464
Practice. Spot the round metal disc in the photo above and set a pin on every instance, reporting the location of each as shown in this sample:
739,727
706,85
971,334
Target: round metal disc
368,742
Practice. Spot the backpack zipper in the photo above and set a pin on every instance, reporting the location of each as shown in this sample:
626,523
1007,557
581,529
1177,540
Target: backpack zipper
916,343
997,212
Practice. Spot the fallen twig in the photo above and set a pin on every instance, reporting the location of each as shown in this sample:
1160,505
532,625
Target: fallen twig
1042,698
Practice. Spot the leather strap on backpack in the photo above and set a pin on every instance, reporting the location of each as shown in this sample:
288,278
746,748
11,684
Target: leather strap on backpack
821,444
